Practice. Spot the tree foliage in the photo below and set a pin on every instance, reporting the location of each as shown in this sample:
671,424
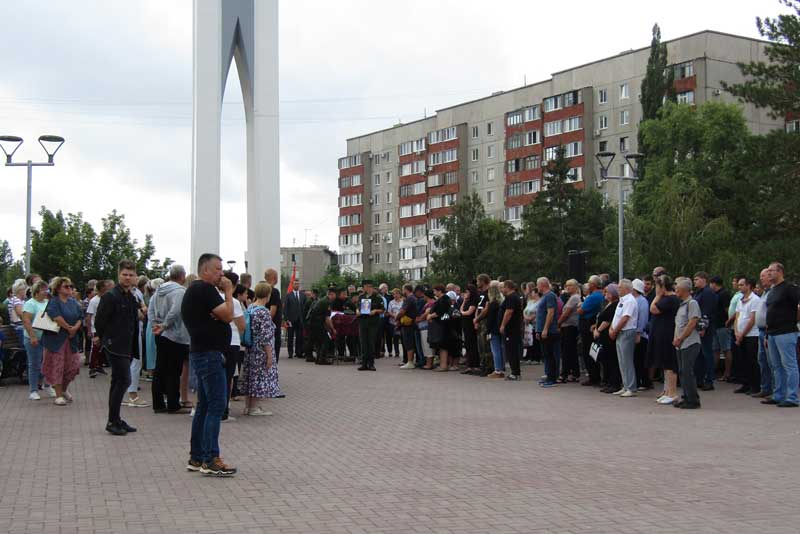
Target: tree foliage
774,84
10,269
658,80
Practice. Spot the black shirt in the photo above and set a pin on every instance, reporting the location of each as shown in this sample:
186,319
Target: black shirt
514,325
493,318
206,332
782,302
275,300
482,298
723,301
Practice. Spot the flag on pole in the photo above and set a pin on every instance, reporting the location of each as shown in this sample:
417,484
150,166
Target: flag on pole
291,280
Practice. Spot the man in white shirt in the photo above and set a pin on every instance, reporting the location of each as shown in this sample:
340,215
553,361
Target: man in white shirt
761,323
623,330
746,333
232,355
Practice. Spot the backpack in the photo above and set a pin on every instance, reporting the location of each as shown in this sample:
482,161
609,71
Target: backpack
247,335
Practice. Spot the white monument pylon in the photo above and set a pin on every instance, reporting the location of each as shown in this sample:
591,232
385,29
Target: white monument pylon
248,31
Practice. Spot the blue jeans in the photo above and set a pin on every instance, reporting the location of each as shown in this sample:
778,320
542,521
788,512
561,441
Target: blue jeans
34,364
496,344
212,394
763,363
783,360
704,365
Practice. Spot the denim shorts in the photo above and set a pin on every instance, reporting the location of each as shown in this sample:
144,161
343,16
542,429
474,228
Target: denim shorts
722,339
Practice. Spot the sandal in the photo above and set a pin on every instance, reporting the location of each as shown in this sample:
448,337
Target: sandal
187,404
441,370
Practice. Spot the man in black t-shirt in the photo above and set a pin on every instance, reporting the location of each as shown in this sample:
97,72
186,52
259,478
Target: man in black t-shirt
207,318
511,328
480,322
783,314
275,308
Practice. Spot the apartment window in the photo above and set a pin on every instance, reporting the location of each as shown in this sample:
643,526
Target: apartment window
435,180
419,209
513,213
475,132
531,162
490,174
420,251
490,197
793,126
552,103
624,144
474,154
624,91
684,70
355,239
389,237
446,156
531,186
419,144
344,259
532,113
355,258
387,156
602,96
376,218
344,201
406,253
552,128
514,190
376,180
490,151
388,257
435,202
573,149
376,199
603,147
575,174
514,165
406,232
602,122
376,159
344,220
624,117
687,97
389,176
355,180
514,118
550,153
376,238
355,219
515,141
450,178
625,170
412,189
489,128
405,148
405,211
573,123
388,197
474,176
388,218
531,137
440,136
572,98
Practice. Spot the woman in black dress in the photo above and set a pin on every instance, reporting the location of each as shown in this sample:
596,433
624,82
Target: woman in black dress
660,351
440,334
468,310
608,355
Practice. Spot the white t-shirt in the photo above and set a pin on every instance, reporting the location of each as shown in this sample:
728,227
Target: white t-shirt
746,311
627,307
92,309
237,312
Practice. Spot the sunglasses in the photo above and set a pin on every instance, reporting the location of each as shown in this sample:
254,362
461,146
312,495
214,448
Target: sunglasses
67,286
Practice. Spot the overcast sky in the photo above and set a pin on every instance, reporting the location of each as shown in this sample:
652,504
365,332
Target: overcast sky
115,78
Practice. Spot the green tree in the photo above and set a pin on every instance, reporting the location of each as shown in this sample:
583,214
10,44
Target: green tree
49,245
10,269
472,243
774,84
658,80
563,218
336,278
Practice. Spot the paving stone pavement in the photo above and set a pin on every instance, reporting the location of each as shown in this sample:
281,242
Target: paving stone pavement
406,452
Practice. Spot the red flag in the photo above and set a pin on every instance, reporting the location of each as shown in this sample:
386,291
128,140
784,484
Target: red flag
291,280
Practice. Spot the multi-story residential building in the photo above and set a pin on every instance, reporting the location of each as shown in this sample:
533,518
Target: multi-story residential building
312,262
396,184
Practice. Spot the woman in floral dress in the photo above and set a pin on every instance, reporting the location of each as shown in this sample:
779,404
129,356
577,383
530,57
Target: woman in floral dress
259,377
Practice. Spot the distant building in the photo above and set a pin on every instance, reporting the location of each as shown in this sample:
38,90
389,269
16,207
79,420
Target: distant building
395,185
312,262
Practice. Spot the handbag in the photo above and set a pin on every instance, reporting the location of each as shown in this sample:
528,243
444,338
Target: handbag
435,332
44,322
594,350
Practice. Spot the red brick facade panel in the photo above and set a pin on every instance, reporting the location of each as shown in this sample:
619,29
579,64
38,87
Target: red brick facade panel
351,190
357,229
444,167
445,145
524,151
520,200
411,179
413,199
564,113
411,158
413,221
349,210
524,176
686,84
438,213
443,189
352,171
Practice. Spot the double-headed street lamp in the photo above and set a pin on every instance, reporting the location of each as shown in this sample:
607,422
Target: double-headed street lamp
605,159
9,144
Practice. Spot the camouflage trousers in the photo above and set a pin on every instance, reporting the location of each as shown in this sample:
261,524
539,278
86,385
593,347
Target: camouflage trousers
484,348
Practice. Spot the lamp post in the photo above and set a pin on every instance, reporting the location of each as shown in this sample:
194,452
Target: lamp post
9,144
605,159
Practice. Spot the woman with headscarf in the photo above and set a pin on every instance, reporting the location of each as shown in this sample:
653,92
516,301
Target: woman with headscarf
608,354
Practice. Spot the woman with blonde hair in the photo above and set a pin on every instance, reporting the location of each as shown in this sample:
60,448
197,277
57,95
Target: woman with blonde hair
35,306
259,376
568,323
15,303
61,361
495,298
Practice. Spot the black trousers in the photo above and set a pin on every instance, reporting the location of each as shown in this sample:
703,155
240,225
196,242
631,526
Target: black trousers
548,345
513,352
278,341
294,340
120,381
748,352
592,367
231,361
471,344
611,373
167,377
639,359
569,352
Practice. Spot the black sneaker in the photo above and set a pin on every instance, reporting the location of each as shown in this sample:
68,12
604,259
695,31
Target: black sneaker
769,401
707,387
194,465
101,371
217,468
115,429
787,404
372,368
513,378
92,373
128,428
363,368
743,389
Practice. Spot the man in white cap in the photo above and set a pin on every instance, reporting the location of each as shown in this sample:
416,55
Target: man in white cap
642,321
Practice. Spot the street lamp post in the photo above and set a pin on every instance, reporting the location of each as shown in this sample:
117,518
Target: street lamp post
9,144
605,159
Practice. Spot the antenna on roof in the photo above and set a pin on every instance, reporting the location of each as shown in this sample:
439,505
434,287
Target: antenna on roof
524,80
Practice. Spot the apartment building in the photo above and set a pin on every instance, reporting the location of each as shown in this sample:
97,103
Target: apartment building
395,185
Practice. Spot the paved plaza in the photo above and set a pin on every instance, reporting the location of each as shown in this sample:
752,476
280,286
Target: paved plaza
406,451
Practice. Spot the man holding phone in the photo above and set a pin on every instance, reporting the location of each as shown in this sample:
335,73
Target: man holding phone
207,318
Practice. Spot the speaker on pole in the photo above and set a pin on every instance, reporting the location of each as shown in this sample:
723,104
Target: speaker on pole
576,265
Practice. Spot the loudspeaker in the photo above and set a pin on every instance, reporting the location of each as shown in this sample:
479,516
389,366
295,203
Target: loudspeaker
576,265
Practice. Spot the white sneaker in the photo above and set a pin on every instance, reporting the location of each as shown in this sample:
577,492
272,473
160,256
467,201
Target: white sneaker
628,393
60,401
34,396
51,392
68,396
620,392
658,400
409,365
666,400
192,413
259,411
230,419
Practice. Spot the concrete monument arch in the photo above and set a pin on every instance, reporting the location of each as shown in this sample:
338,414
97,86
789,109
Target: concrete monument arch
248,31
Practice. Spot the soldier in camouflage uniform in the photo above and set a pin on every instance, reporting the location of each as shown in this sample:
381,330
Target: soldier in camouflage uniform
369,324
484,348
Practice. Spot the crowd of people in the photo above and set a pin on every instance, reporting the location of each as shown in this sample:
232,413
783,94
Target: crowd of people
619,336
211,335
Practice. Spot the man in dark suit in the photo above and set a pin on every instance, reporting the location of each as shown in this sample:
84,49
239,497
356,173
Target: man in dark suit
295,318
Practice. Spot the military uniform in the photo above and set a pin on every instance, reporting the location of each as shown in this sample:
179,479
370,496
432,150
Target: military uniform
484,348
368,328
319,333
